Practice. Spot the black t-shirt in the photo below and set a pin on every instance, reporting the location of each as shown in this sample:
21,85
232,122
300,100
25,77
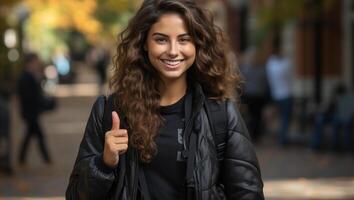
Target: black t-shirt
165,174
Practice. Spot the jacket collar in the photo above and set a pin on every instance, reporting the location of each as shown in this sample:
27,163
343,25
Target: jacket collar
198,98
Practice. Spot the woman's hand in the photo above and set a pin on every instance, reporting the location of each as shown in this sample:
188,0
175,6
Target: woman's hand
116,142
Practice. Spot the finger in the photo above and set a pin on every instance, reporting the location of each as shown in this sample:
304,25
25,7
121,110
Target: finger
122,152
121,148
118,133
121,140
115,121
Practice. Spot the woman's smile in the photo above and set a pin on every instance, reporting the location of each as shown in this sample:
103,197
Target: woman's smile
172,64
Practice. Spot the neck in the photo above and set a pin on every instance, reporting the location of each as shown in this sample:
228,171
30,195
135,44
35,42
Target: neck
172,91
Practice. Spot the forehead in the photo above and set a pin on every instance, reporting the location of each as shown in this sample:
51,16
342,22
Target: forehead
169,24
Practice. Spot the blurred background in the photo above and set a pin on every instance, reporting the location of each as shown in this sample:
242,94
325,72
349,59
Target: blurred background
296,58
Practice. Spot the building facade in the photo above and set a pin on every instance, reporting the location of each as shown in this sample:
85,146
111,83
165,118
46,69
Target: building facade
318,39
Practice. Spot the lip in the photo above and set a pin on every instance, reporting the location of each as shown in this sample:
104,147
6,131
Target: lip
171,63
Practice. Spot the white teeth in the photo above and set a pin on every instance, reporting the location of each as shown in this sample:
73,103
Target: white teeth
171,62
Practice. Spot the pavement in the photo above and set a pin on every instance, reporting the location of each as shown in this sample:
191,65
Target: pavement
291,173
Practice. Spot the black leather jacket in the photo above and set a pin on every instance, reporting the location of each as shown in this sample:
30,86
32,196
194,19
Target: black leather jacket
239,177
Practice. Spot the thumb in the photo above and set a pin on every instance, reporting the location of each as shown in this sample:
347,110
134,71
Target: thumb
115,121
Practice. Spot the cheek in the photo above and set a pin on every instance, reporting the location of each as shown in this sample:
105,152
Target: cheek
155,51
190,51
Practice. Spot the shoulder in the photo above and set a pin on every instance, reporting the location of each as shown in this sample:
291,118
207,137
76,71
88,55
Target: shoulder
227,110
234,119
227,102
227,106
98,106
232,111
100,102
216,102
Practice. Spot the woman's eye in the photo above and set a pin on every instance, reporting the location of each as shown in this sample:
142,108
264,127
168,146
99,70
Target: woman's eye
160,40
184,40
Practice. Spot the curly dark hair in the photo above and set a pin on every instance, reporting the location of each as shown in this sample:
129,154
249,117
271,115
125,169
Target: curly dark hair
136,82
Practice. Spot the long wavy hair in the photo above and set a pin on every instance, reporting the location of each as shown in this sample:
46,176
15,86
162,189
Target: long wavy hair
136,82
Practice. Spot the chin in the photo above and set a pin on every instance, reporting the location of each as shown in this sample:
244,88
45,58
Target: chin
173,75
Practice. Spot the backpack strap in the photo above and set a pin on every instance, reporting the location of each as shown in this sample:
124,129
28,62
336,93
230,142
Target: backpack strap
107,114
217,114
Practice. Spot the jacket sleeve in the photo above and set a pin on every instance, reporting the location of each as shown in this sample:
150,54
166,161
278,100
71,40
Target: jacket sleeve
241,173
91,178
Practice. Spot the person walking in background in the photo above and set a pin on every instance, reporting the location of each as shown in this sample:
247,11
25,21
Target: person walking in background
255,91
5,139
279,73
171,74
101,60
32,104
339,115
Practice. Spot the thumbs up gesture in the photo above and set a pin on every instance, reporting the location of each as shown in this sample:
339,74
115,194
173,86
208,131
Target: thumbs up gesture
116,142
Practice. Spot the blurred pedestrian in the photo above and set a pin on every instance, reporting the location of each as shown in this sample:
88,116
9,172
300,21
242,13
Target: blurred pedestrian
101,60
63,64
32,103
255,91
279,73
339,115
5,139
171,65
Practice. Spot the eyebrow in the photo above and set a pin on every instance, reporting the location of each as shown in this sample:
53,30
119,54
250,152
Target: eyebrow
161,34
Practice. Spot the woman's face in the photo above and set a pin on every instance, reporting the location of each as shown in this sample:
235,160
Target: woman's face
170,48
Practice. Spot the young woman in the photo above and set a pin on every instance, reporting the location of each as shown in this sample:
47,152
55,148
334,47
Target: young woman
171,63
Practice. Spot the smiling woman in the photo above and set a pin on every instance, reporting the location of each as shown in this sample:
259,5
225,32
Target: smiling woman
171,75
171,49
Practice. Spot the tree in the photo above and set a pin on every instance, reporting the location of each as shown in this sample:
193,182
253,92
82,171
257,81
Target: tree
52,22
6,67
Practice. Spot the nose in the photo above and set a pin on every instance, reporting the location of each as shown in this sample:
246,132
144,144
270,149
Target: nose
173,50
